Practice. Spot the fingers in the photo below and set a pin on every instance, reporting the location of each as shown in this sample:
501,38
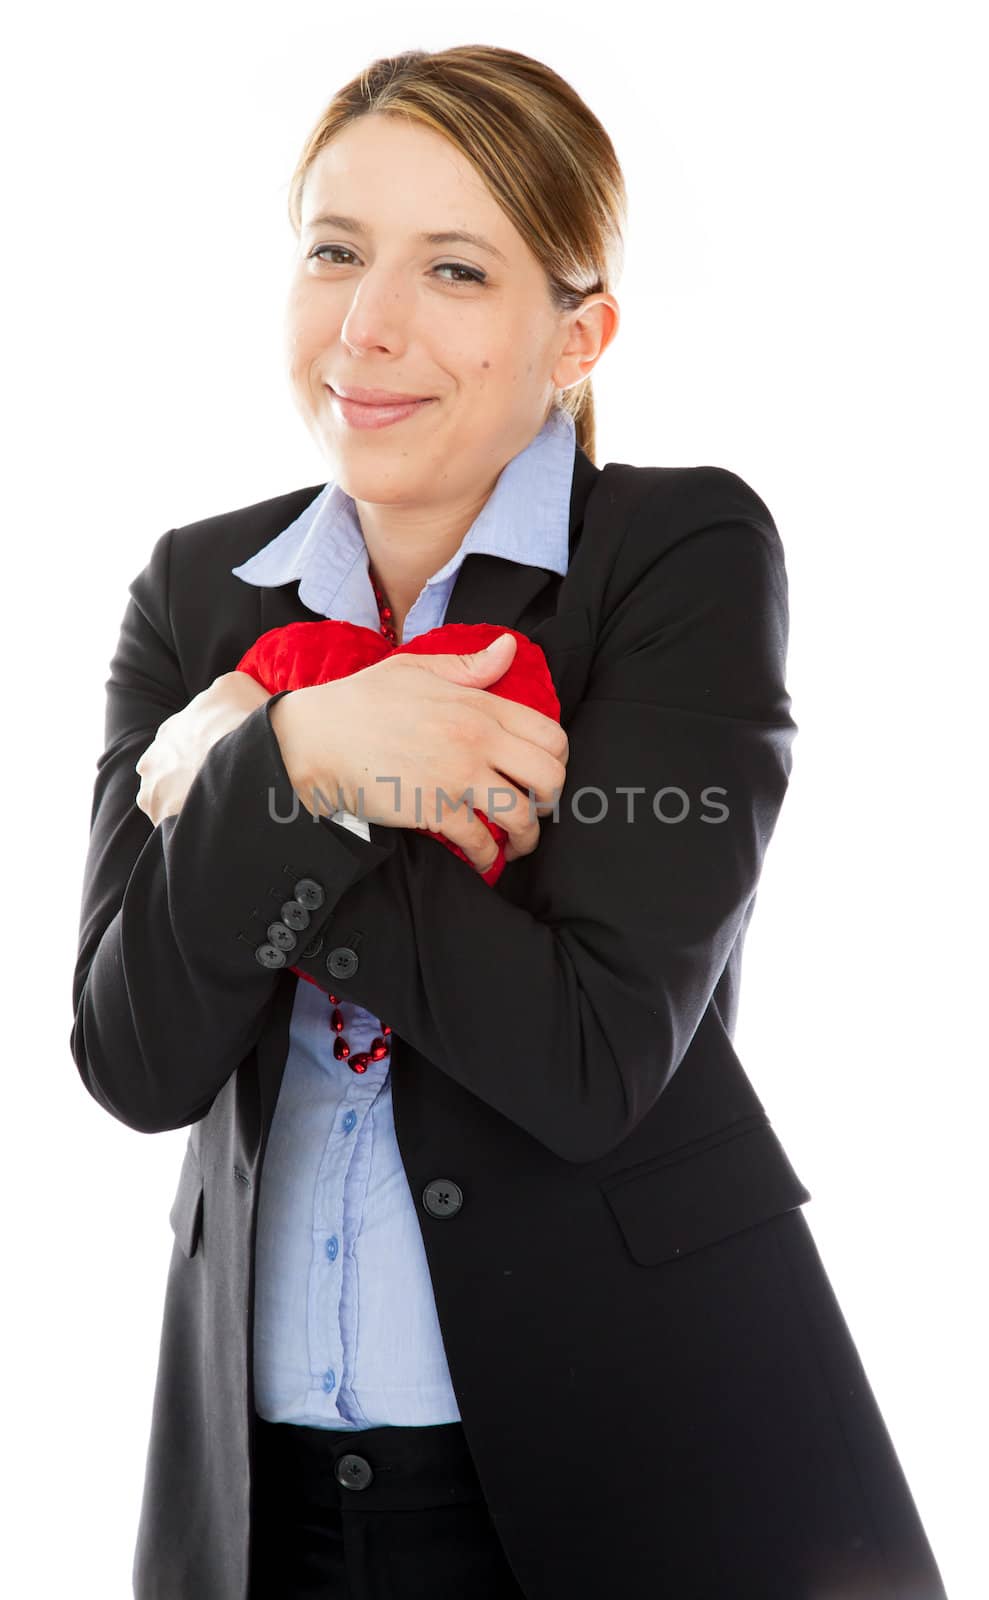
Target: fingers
462,820
525,767
521,720
524,722
473,838
523,782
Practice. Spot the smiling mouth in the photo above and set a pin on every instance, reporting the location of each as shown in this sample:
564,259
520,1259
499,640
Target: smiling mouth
378,402
359,415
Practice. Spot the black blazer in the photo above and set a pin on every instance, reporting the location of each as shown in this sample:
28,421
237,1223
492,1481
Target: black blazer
656,1383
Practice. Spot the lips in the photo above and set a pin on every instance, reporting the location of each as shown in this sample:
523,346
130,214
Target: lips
363,416
377,397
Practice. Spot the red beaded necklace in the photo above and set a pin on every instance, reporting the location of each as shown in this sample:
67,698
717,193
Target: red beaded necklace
381,1044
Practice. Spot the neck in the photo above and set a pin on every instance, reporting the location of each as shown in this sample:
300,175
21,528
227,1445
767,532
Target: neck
407,545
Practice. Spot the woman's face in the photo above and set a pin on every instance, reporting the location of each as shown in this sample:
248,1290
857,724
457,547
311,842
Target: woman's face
375,305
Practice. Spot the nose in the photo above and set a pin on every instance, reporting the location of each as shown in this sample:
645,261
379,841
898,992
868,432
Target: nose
378,314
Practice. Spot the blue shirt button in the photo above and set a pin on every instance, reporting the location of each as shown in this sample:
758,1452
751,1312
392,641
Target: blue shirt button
329,1380
332,1246
349,1121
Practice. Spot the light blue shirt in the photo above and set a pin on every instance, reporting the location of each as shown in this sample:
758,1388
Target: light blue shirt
345,1327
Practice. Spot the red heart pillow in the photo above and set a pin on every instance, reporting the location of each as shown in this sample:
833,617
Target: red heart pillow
303,654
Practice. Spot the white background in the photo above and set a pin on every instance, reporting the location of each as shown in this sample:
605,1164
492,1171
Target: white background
803,303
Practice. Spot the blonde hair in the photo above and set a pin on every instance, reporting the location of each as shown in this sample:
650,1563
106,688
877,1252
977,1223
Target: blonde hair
542,153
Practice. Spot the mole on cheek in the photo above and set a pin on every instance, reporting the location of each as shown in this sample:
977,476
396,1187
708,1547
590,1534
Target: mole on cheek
485,364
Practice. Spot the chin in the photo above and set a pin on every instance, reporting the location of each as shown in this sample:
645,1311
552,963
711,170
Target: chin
368,482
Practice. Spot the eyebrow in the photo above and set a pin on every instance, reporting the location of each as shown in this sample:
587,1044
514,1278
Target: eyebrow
353,225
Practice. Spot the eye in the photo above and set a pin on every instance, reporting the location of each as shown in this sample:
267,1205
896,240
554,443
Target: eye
472,275
456,266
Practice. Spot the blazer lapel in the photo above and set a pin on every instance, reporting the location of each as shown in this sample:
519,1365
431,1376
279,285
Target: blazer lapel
513,594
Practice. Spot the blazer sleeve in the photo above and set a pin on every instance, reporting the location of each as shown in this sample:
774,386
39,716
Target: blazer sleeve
570,1013
168,994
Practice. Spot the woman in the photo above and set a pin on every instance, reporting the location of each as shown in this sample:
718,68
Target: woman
526,1303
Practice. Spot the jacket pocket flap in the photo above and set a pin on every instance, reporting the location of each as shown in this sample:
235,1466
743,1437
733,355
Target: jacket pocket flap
668,1210
186,1215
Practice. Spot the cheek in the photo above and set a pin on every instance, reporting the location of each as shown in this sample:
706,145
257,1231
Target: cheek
298,360
305,355
309,323
504,360
496,371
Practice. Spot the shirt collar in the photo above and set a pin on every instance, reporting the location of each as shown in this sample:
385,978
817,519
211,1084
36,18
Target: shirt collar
526,518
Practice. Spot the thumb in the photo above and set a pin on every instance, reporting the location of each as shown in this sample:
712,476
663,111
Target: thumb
479,666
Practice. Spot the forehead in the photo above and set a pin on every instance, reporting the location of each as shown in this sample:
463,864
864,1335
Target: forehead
386,173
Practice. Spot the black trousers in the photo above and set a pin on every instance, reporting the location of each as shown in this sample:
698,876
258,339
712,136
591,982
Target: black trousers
373,1514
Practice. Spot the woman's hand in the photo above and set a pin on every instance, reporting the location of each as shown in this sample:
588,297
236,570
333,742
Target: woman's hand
382,743
180,746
